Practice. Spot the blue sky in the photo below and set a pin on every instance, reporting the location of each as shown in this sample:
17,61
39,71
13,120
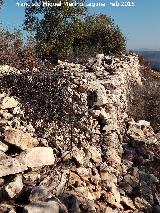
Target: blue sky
140,24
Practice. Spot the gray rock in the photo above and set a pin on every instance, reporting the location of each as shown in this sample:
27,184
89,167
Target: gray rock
128,202
157,196
149,178
157,209
38,193
133,181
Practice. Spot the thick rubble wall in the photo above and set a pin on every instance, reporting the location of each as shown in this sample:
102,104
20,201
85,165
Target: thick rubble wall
98,159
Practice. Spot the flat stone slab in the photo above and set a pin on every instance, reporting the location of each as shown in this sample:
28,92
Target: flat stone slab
30,158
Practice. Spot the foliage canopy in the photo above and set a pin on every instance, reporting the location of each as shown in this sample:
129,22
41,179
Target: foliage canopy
67,31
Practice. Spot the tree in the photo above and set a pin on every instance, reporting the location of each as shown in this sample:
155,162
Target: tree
66,31
10,46
52,26
1,3
101,35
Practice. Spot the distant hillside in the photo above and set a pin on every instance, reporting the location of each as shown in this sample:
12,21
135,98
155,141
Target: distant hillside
152,56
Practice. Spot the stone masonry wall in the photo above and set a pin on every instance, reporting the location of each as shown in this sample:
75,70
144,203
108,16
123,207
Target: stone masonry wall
70,137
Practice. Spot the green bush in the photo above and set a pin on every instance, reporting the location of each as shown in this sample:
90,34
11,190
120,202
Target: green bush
100,35
52,27
70,31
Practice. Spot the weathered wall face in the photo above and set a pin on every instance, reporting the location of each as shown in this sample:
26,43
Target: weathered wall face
83,113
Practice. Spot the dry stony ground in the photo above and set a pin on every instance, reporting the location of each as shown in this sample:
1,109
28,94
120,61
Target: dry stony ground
78,138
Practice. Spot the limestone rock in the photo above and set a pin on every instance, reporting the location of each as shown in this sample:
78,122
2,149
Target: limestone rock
8,69
78,155
42,207
97,94
3,122
95,154
20,139
113,158
128,202
37,157
12,211
9,165
9,102
15,187
6,115
31,177
4,207
17,110
99,56
112,200
108,210
31,158
141,203
3,147
108,178
1,182
141,129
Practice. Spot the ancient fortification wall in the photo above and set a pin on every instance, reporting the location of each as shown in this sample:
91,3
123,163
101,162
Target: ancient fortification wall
75,138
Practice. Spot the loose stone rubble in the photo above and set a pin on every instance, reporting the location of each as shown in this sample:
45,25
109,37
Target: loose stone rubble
76,138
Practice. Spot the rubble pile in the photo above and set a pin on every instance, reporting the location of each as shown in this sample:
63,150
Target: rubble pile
69,144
